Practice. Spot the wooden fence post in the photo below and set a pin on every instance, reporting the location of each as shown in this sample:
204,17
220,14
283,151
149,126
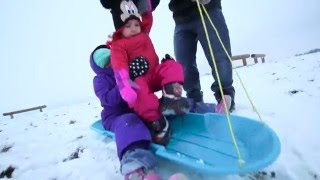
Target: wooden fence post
242,57
256,56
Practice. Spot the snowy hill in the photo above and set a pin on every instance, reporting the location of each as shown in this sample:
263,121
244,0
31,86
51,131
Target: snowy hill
44,60
58,143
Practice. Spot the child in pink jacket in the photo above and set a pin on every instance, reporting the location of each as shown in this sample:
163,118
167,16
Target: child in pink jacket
139,74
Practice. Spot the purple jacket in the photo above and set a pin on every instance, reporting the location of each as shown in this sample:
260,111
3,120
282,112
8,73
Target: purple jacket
106,90
116,115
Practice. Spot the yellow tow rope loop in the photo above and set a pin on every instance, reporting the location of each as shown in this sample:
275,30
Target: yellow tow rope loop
240,161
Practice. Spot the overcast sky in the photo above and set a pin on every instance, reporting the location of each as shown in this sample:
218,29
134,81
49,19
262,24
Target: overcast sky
45,45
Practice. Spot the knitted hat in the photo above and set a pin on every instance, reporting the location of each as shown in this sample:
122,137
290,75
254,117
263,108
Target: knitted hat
143,5
101,56
123,12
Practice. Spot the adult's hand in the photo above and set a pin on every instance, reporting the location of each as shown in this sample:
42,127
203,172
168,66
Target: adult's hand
204,2
147,6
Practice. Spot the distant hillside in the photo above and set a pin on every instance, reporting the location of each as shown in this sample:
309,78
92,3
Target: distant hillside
309,52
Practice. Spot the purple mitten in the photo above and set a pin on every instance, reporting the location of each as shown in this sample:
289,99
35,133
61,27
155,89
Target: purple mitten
126,91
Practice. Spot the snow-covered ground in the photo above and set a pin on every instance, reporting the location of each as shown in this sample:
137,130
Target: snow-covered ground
44,50
58,143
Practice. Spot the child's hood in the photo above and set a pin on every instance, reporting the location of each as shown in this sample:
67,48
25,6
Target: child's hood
99,66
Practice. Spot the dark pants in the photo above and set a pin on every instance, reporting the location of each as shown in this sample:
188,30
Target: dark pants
186,36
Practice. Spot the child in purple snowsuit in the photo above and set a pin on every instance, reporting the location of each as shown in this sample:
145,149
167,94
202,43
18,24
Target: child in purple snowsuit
132,137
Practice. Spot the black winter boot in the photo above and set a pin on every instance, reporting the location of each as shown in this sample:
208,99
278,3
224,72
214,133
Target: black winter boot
160,131
171,102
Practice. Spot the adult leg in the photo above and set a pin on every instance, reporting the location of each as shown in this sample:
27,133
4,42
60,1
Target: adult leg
224,65
185,48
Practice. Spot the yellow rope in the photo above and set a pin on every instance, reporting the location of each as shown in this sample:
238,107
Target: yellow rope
242,84
220,87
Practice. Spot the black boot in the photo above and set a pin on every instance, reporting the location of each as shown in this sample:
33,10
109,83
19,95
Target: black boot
171,102
170,106
160,131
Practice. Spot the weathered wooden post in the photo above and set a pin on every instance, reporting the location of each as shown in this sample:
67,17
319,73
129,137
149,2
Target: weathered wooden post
256,56
242,57
24,110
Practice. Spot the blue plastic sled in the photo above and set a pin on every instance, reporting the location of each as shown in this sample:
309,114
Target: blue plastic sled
203,142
